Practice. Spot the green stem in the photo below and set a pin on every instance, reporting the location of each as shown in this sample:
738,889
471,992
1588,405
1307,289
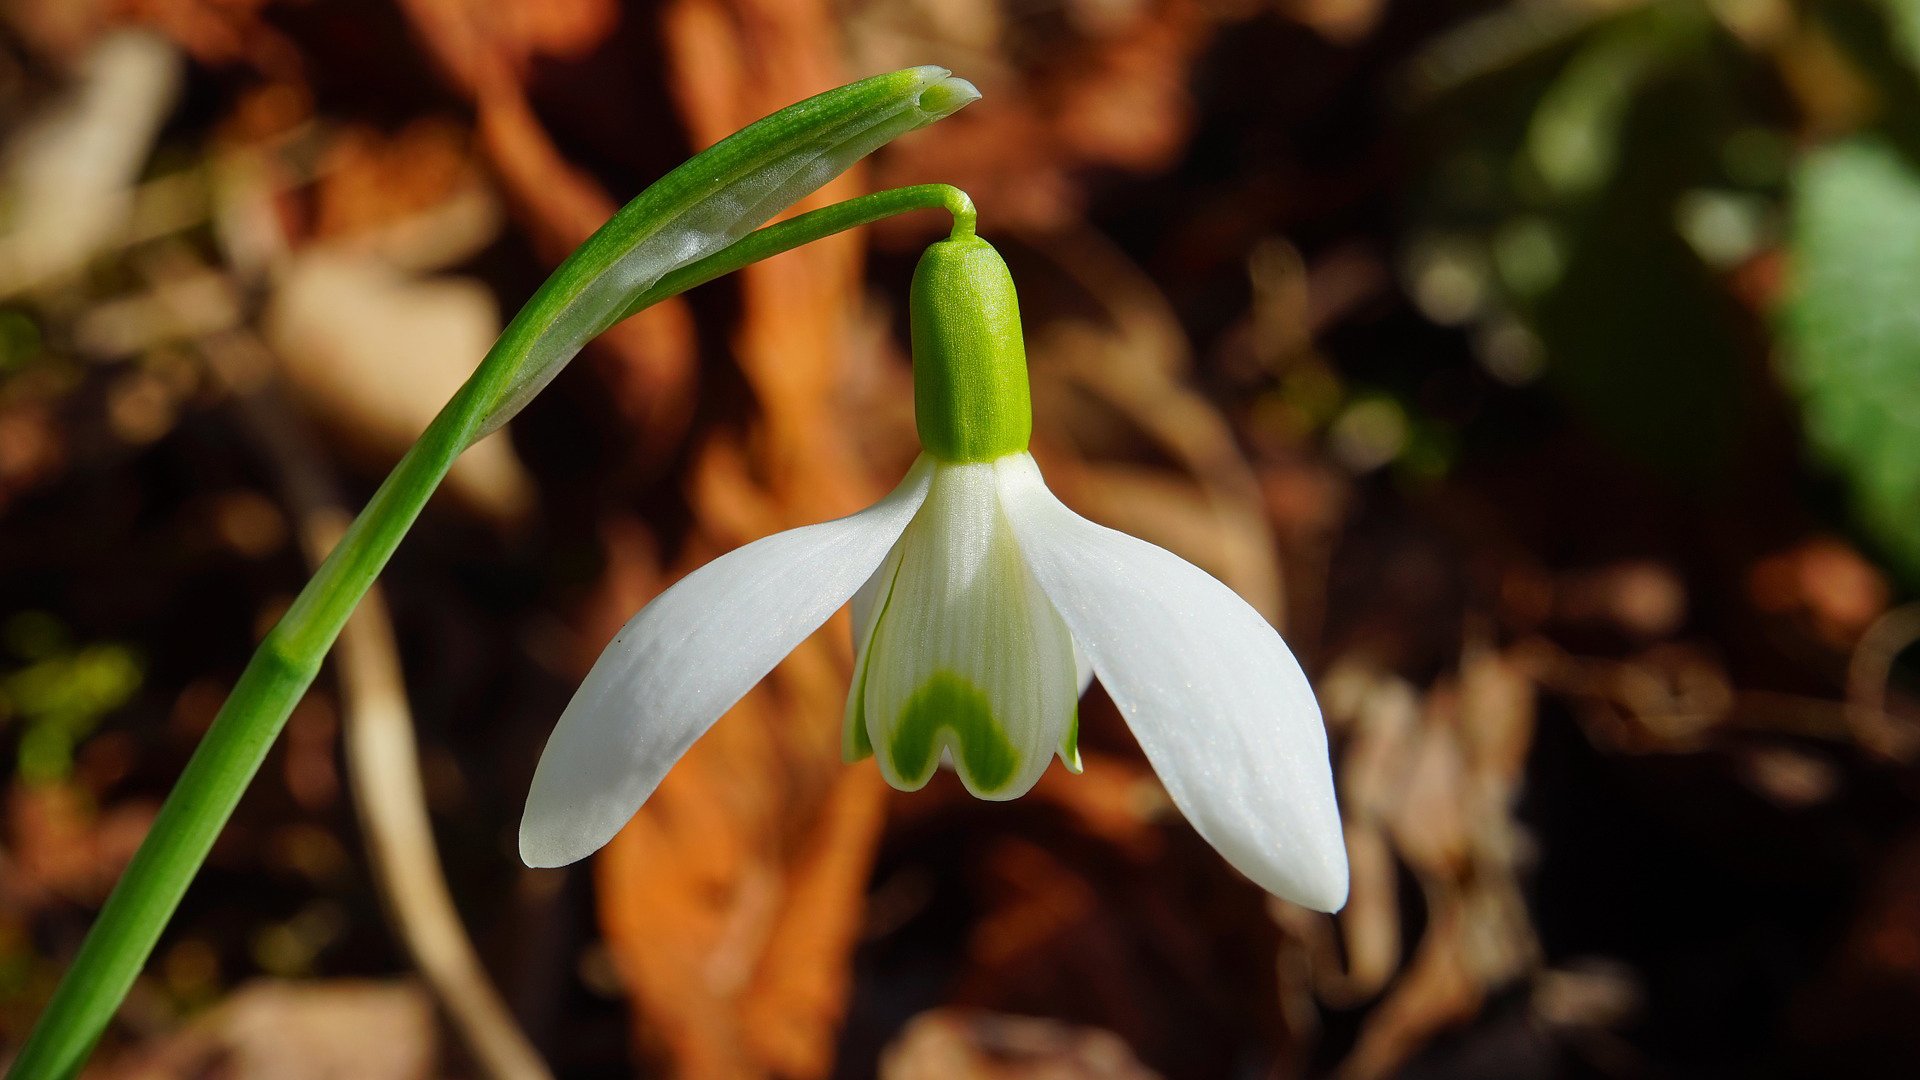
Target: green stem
286,662
806,228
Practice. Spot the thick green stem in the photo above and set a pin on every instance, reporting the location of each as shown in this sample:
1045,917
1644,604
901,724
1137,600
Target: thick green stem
284,665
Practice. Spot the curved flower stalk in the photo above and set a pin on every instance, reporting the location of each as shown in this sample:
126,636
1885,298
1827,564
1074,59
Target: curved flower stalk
981,606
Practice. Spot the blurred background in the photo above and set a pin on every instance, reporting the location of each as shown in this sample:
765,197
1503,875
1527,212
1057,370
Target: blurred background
1548,370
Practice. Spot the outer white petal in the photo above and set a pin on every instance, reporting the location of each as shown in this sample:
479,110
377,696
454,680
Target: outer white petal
1217,701
686,658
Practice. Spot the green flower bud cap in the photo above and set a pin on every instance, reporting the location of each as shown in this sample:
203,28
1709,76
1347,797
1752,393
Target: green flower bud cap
970,396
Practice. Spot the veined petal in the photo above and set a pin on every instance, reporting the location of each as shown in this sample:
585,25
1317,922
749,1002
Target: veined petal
966,657
686,658
1217,701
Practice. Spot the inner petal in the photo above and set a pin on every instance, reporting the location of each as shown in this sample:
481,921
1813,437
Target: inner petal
967,658
868,603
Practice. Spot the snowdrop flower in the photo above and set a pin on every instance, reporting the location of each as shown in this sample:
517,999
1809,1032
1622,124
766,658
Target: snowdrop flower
981,606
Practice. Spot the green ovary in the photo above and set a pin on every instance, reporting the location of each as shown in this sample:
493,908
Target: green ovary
948,710
970,396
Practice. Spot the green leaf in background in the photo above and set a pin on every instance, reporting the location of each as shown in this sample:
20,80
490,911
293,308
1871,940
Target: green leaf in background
59,693
1904,15
1581,222
1851,330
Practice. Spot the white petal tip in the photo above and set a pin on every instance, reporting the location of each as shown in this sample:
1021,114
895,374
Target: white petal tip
551,848
1329,895
1318,882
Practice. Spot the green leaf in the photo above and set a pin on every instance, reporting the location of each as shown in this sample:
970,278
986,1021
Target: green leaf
1851,330
1904,15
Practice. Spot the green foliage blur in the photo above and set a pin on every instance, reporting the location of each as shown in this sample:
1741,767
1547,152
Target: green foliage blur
1623,198
58,690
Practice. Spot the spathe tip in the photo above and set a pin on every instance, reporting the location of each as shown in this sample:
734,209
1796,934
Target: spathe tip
947,96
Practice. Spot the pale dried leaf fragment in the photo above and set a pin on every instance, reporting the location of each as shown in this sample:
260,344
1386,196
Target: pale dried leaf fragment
376,353
69,174
968,1044
275,1030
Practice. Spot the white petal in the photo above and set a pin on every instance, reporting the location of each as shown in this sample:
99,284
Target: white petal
686,658
1217,701
966,657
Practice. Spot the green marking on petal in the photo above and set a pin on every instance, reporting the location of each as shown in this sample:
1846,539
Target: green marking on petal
855,745
1070,746
950,704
